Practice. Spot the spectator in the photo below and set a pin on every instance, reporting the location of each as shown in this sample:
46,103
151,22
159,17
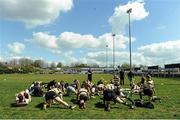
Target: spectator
130,76
89,75
121,74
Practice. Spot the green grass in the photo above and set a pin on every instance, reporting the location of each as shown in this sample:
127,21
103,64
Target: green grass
13,83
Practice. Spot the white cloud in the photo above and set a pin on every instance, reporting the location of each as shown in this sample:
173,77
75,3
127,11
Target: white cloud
34,12
17,57
69,41
1,59
120,58
45,40
16,48
97,56
107,39
58,52
119,19
161,49
164,52
68,58
154,54
74,40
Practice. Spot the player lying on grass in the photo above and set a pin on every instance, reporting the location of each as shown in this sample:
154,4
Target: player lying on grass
55,94
82,96
23,98
114,93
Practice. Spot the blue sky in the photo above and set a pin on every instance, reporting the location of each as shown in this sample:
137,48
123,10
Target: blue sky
78,30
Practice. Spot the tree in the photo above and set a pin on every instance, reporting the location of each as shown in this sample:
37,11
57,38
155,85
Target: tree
79,65
25,62
1,64
27,69
38,63
13,62
94,65
59,65
53,65
143,66
125,66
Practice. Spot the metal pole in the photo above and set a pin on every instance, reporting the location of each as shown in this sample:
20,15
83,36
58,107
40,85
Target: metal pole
129,11
106,56
114,53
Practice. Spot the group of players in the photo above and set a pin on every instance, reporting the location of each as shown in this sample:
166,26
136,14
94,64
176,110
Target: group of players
112,90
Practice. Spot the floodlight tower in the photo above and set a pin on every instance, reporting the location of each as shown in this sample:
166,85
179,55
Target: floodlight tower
113,35
129,13
106,56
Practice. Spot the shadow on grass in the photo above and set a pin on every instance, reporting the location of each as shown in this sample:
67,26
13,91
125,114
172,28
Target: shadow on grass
18,105
40,105
99,105
74,101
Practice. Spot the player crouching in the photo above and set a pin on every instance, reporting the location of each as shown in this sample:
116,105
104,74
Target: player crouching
82,96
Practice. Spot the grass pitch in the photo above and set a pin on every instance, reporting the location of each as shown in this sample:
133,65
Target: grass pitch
168,89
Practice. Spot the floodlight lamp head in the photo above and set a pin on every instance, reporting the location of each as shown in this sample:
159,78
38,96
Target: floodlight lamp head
129,10
113,34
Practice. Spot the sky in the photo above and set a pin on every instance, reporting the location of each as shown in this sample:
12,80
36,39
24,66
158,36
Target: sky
71,31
